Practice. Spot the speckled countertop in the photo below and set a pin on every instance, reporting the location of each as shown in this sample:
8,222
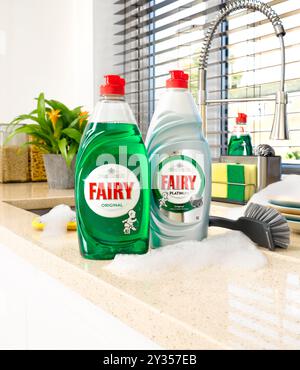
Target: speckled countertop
212,309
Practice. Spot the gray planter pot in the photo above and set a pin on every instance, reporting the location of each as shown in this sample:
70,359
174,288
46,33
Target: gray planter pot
59,176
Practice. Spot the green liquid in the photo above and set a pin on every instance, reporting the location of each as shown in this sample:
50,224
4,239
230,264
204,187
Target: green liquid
240,146
102,238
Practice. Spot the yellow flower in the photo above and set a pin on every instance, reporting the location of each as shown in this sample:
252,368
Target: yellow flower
54,115
84,116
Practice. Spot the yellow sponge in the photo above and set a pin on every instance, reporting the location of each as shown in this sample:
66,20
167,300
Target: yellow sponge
250,180
234,181
37,225
219,180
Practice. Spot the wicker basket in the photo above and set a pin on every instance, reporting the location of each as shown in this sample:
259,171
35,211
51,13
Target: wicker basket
36,165
13,157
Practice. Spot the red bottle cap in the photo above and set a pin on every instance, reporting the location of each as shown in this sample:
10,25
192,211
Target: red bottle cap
178,80
241,118
115,85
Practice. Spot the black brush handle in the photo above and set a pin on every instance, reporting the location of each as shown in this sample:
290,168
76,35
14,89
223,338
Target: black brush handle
224,223
258,231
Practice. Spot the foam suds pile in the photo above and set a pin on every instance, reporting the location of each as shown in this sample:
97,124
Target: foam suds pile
57,219
232,250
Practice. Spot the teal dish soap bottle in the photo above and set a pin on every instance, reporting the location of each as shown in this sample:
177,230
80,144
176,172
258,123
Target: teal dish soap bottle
240,142
180,163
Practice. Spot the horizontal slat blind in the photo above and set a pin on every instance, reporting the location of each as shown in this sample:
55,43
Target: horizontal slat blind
159,36
156,36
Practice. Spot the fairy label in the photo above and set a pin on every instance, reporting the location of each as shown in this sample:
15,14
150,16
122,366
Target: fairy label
179,184
112,191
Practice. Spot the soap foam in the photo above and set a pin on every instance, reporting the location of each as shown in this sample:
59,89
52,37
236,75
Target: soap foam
232,250
57,219
287,188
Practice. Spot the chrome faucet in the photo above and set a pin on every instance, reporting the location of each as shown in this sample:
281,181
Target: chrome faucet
280,126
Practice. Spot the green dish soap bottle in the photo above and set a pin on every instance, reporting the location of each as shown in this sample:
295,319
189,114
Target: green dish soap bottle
112,180
240,142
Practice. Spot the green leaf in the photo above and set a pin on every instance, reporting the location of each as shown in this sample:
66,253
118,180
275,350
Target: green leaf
20,130
58,129
74,134
83,126
63,144
35,111
25,117
76,112
12,125
75,122
54,104
72,153
41,110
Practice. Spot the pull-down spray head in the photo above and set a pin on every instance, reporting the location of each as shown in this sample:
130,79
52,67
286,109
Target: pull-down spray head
280,125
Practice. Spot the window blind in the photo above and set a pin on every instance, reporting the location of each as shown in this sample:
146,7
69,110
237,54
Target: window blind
157,36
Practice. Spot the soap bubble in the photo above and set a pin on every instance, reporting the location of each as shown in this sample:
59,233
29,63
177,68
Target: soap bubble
57,219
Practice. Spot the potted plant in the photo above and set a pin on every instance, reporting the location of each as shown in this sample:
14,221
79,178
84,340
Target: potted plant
56,131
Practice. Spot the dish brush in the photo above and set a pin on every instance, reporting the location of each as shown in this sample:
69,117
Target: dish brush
263,225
